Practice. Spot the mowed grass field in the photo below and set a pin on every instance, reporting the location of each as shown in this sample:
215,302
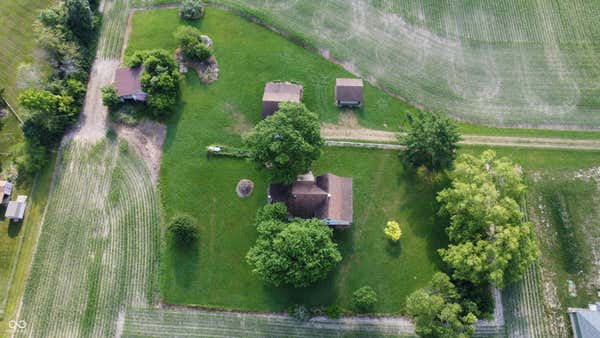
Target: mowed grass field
215,273
503,63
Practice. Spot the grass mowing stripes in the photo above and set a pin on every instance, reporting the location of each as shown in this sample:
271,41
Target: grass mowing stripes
97,259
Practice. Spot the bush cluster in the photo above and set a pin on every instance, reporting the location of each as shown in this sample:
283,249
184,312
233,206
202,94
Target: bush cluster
160,80
191,9
66,33
364,299
184,229
192,47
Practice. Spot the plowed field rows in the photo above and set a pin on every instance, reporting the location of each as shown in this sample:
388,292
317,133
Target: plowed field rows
97,252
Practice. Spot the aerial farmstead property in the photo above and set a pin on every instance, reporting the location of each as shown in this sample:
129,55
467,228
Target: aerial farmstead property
401,179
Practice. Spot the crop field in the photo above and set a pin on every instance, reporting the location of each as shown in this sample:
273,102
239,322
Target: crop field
524,63
98,248
186,323
564,207
114,23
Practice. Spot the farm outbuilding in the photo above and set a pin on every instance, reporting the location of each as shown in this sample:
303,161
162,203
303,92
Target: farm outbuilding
16,209
348,92
327,197
585,322
277,92
128,84
5,190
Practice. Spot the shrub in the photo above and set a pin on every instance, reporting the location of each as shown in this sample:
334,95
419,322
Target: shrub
110,98
364,299
184,230
392,231
192,47
191,9
275,211
333,311
136,59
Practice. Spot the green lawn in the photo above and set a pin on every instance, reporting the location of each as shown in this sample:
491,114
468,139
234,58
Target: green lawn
215,272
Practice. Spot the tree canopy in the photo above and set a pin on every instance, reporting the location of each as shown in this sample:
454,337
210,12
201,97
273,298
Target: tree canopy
160,80
79,19
431,141
489,240
287,142
296,253
437,311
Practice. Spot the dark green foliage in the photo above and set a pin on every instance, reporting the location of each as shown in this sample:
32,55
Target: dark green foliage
160,80
437,312
79,19
29,158
298,253
188,39
275,211
46,115
136,59
300,312
286,143
183,228
364,299
333,311
431,141
191,9
110,98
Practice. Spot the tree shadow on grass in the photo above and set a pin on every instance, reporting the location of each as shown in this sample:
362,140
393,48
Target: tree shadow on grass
14,228
185,259
394,249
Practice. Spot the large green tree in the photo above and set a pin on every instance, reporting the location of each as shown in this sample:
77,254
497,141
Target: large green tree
160,80
437,311
80,20
287,142
489,240
431,141
46,116
188,39
296,253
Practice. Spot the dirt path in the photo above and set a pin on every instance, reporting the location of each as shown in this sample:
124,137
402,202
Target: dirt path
336,132
92,122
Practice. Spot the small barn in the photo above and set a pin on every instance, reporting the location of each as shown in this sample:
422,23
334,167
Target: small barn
348,92
16,209
585,322
277,92
6,191
128,84
327,197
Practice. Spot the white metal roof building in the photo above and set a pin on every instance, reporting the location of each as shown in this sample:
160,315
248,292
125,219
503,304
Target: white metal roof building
16,209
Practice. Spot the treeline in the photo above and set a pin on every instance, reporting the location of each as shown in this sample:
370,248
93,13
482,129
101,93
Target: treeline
67,33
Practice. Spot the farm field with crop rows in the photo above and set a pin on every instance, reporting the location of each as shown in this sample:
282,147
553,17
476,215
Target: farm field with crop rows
114,23
98,248
529,63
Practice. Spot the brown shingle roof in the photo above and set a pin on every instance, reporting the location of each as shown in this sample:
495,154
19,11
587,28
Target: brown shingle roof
127,81
348,90
277,92
328,198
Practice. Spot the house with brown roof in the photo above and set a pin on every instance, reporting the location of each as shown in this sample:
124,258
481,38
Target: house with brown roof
277,92
348,92
327,197
128,84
